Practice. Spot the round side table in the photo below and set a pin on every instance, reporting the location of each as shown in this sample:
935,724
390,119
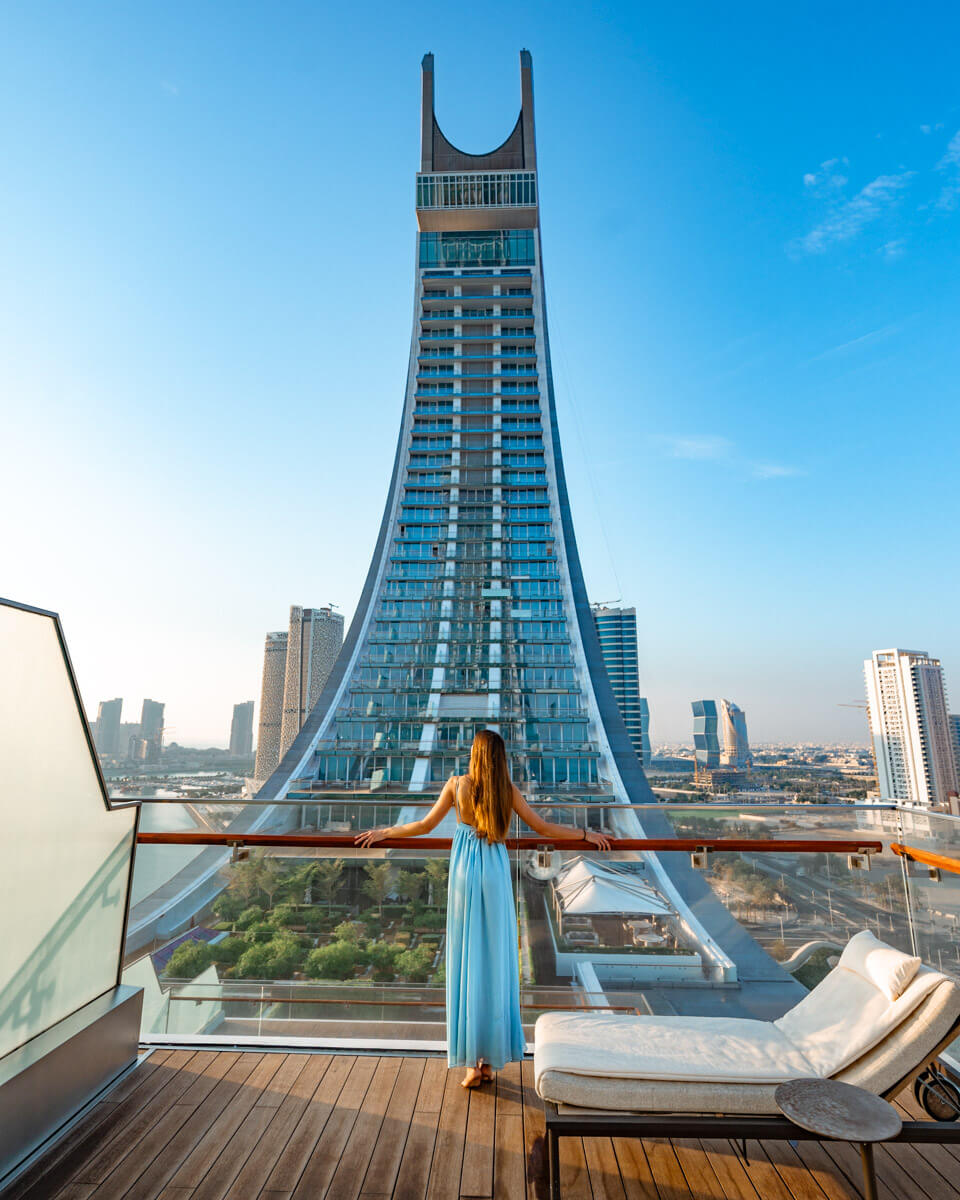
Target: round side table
841,1112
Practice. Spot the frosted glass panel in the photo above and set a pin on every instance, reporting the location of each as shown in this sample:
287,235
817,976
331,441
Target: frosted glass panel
64,857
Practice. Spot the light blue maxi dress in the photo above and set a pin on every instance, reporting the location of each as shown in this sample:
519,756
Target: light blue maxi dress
483,979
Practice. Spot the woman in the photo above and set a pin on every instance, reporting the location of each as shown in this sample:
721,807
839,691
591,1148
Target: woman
483,986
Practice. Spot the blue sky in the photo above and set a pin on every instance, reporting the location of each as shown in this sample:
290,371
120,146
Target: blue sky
750,216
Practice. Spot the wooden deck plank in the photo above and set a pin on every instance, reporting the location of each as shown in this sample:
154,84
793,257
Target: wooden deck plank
535,1153
697,1168
847,1159
288,1168
254,1113
729,1169
763,1174
510,1091
212,1124
665,1168
63,1161
268,1149
414,1172
635,1171
201,1158
603,1169
391,1142
476,1176
200,1119
348,1178
322,1163
67,1158
832,1181
509,1173
448,1149
799,1182
430,1096
172,1080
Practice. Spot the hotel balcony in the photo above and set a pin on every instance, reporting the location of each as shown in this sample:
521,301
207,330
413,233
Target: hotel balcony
212,998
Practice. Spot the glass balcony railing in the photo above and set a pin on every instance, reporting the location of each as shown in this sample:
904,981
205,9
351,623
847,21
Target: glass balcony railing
266,923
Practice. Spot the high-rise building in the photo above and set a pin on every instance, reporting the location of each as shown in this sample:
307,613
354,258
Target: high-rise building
474,612
271,705
106,729
241,729
910,727
313,643
617,630
129,733
706,743
736,747
955,742
151,722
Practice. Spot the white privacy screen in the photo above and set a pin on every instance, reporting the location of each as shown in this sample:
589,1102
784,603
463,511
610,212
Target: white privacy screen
64,858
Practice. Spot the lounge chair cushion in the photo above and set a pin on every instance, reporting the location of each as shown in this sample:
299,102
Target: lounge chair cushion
886,968
845,1016
714,1049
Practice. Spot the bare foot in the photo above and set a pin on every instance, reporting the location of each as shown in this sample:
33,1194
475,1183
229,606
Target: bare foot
472,1079
486,1072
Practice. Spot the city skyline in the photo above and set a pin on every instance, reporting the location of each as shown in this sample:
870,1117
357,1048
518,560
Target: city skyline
756,337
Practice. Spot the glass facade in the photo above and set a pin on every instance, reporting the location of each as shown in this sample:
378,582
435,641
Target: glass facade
471,626
493,248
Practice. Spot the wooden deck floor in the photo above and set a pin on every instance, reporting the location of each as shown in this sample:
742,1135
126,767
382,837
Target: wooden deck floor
204,1125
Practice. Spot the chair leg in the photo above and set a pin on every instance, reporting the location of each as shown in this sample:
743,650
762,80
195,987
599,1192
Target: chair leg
553,1163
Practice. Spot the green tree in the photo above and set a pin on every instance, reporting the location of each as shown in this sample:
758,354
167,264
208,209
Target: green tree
273,874
436,872
260,931
245,878
189,960
275,959
228,906
377,884
382,956
415,964
410,885
283,915
348,931
336,961
229,950
325,878
249,916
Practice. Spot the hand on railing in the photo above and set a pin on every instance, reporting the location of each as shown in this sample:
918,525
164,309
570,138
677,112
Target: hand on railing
596,839
370,837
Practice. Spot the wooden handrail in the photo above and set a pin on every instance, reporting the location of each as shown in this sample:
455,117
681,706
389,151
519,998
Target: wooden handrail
341,841
940,861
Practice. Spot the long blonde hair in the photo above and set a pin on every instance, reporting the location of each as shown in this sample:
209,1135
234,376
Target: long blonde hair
492,794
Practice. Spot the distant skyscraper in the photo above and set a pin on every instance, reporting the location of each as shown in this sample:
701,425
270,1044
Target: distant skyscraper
617,628
736,747
151,730
106,729
910,727
129,733
705,741
313,643
955,742
241,729
271,705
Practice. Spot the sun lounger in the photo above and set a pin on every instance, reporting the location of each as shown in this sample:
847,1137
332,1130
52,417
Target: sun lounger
875,1021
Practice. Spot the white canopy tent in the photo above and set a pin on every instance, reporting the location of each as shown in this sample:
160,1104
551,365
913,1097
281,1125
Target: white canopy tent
585,888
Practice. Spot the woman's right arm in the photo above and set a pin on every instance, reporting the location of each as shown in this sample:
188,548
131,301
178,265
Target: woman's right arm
551,830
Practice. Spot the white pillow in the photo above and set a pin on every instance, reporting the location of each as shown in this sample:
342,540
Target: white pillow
887,969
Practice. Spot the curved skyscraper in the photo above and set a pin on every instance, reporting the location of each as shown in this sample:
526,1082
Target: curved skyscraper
474,611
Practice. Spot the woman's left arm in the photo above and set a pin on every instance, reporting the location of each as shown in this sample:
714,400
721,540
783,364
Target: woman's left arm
412,828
